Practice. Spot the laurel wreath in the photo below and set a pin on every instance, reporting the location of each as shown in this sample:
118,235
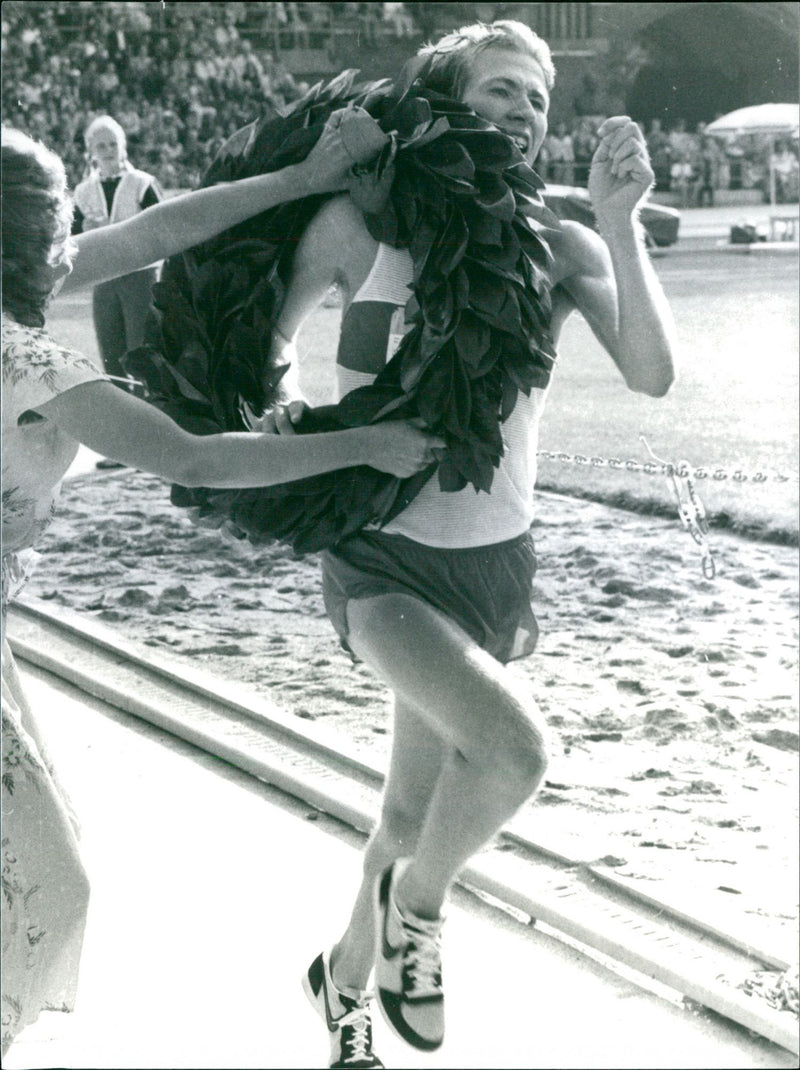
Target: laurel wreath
456,192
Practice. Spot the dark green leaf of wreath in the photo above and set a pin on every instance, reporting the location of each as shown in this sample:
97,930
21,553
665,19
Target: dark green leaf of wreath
473,466
495,196
535,314
203,284
242,344
450,478
487,293
425,133
489,359
450,247
525,181
178,330
438,311
450,106
462,396
422,243
465,120
509,398
497,266
535,248
194,365
484,420
412,367
444,394
413,71
439,183
429,339
491,149
147,364
407,492
472,339
484,229
366,404
459,281
509,317
447,156
519,373
409,115
541,222
169,296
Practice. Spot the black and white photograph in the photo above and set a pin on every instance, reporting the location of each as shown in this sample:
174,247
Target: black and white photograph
400,526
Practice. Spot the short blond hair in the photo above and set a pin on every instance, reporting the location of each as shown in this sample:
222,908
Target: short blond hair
106,122
451,55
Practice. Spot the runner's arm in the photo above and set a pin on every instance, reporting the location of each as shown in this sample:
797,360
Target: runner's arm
611,279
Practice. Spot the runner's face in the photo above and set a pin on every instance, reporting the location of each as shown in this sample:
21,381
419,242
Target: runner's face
509,89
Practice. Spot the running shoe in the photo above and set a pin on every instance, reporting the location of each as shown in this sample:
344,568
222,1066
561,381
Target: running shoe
408,969
347,1017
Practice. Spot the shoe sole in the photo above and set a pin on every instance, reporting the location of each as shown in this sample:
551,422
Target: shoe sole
390,1003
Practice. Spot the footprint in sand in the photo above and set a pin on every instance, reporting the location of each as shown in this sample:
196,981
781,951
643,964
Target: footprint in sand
135,596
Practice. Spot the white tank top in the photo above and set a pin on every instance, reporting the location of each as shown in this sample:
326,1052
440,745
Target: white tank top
371,331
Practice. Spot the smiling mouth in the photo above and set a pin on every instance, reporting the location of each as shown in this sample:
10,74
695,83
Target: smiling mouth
520,140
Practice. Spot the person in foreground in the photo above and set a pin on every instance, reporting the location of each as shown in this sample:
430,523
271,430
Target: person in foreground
439,599
53,400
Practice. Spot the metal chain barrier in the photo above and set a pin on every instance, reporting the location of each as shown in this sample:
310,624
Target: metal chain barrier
663,468
681,476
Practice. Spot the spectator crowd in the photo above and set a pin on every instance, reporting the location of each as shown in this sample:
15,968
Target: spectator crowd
178,88
692,165
180,78
177,95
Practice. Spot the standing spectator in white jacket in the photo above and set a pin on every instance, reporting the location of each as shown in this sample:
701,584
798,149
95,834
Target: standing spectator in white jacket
114,191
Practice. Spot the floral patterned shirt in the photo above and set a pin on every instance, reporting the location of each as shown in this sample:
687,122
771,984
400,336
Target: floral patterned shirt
36,453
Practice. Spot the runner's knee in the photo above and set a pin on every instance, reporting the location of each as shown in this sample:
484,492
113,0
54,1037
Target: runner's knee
517,755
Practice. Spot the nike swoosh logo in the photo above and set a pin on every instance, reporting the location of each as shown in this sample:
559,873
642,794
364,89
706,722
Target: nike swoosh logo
387,950
333,1023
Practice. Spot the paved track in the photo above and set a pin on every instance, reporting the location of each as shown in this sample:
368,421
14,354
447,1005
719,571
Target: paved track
212,892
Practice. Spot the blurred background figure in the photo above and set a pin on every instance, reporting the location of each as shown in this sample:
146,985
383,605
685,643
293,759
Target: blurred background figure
786,169
369,22
709,170
682,178
660,156
399,19
561,157
584,142
113,191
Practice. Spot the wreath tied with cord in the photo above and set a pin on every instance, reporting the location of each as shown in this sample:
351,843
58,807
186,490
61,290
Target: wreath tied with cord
457,193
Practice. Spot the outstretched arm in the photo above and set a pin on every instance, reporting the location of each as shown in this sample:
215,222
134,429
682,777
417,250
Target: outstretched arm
125,428
182,222
612,281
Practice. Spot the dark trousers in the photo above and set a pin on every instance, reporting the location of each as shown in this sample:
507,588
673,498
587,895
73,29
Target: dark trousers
120,308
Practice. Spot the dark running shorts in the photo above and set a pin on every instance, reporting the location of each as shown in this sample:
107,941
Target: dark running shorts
486,590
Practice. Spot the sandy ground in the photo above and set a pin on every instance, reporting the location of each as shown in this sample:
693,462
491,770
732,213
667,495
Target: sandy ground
672,698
